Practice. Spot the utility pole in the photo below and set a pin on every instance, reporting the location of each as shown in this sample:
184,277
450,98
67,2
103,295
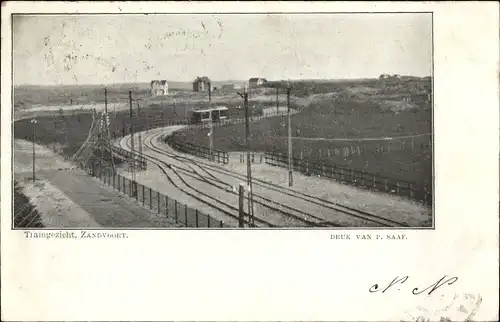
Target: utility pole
175,109
132,142
139,134
290,156
108,134
241,208
147,125
209,91
211,134
33,121
249,165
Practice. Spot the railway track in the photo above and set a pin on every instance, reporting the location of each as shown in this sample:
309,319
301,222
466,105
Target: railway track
300,220
226,208
348,211
277,208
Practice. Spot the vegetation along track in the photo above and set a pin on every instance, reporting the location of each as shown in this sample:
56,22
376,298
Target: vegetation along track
373,219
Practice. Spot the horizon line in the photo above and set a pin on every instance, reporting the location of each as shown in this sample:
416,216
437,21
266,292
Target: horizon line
221,81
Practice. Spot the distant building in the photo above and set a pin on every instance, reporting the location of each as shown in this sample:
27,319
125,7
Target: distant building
389,77
159,87
256,82
201,84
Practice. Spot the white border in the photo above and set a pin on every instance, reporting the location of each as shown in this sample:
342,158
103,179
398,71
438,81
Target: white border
286,275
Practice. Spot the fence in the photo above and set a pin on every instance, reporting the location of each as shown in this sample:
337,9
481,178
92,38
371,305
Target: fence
199,151
128,155
355,177
154,200
255,157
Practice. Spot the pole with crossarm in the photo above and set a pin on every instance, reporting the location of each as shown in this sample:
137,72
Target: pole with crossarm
249,166
34,121
290,156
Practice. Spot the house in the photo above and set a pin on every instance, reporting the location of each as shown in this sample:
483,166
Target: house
201,84
256,81
159,87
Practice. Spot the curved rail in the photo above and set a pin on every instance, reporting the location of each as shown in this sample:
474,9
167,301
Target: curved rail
360,214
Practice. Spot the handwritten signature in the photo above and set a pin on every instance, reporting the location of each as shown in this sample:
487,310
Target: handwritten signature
398,281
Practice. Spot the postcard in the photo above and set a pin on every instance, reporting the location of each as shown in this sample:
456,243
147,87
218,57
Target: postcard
250,161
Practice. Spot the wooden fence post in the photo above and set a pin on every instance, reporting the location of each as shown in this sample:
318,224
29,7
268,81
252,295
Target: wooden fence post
411,191
386,186
176,215
241,205
374,182
397,187
208,220
143,196
221,223
150,199
197,225
158,197
166,206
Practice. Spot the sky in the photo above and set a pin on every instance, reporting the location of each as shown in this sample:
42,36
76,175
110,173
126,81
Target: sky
104,49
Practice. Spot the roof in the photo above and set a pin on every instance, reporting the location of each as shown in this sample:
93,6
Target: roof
161,82
202,110
201,79
255,79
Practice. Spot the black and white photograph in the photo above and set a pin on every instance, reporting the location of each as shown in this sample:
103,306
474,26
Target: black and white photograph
223,121
249,161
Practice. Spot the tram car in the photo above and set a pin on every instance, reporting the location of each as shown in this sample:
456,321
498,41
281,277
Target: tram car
215,114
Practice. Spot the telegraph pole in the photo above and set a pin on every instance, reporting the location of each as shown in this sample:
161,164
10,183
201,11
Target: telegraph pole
33,121
290,156
241,194
249,165
108,135
209,91
175,109
132,141
147,125
211,134
139,134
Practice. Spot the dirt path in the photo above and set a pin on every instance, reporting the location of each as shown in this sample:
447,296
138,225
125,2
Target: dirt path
68,197
54,206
